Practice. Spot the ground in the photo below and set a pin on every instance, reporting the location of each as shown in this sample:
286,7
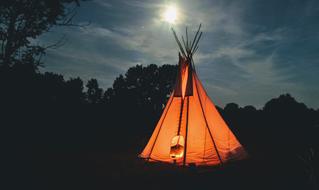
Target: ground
122,169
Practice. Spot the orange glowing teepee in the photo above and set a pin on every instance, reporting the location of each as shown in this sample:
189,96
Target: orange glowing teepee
190,130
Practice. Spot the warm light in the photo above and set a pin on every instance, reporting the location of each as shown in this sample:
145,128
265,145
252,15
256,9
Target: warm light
170,14
177,147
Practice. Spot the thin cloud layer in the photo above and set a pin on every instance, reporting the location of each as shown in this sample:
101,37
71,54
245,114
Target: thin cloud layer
245,55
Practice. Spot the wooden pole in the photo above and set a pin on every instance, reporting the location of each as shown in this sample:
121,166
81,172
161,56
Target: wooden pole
186,133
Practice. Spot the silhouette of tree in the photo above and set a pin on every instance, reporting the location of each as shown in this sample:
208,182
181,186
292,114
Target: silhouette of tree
287,124
94,93
140,95
231,107
146,87
50,88
108,94
249,109
74,90
283,104
22,21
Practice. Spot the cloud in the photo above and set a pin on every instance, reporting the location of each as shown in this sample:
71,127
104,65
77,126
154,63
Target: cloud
103,3
233,53
245,70
141,40
86,65
143,4
244,56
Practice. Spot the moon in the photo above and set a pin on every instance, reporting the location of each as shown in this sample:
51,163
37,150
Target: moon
170,14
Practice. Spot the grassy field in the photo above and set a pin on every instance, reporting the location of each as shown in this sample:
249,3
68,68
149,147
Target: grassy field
122,169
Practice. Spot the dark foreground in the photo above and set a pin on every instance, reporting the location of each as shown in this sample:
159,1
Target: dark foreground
123,170
59,137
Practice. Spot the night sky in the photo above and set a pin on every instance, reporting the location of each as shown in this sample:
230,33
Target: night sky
251,50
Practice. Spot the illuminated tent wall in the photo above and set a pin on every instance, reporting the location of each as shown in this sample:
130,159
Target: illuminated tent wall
190,130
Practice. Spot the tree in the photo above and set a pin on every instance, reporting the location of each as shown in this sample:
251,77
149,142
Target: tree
107,96
74,90
145,87
22,21
51,86
231,107
94,93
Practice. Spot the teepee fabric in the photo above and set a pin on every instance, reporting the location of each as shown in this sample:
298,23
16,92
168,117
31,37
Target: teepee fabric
190,130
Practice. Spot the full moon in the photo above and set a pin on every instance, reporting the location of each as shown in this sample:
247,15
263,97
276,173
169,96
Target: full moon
170,14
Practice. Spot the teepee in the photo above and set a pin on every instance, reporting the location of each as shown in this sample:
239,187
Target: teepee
190,130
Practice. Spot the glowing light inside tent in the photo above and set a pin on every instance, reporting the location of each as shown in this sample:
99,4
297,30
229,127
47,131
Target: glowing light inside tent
177,147
170,14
